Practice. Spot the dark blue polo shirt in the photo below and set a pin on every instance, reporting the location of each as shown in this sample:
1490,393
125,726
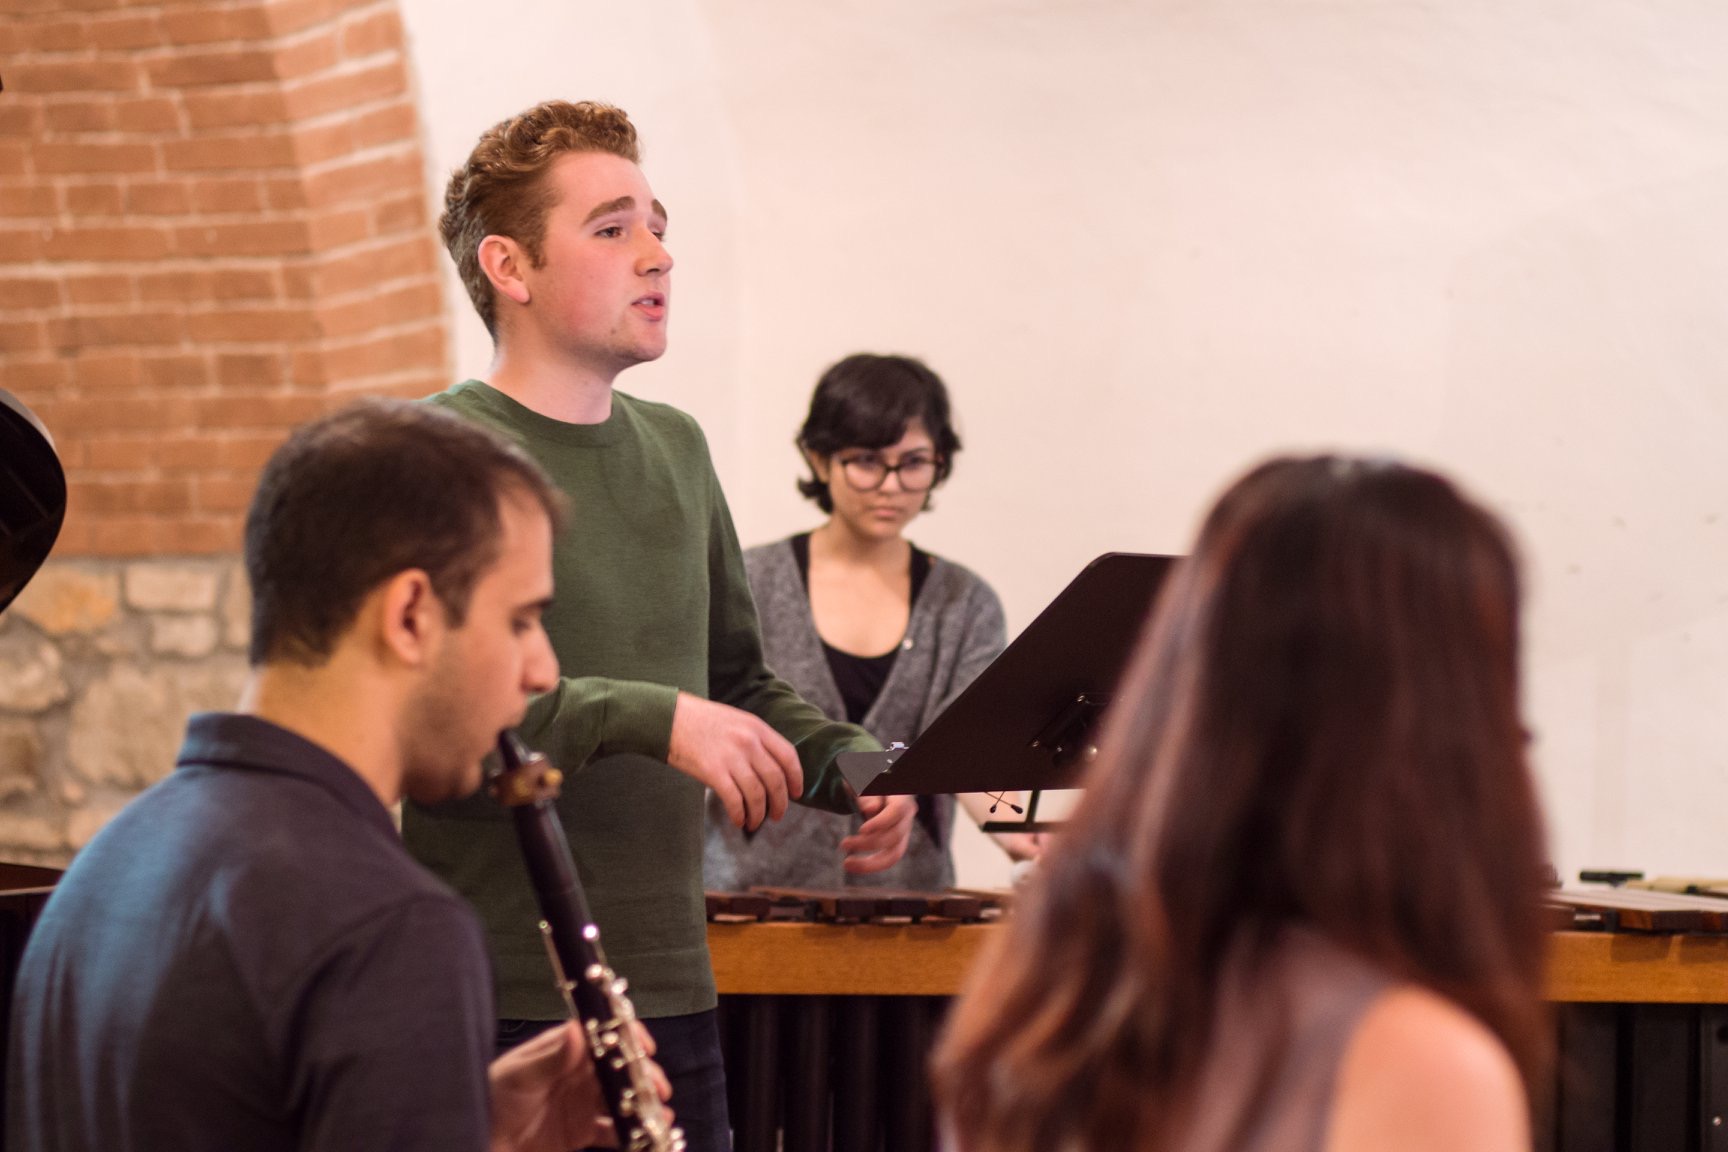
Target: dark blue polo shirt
247,959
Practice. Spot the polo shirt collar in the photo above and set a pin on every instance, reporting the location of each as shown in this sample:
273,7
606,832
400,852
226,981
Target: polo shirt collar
249,743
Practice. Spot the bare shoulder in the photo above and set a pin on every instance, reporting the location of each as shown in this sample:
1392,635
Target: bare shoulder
1423,1075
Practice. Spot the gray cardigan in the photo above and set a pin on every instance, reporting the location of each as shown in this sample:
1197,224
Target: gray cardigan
956,629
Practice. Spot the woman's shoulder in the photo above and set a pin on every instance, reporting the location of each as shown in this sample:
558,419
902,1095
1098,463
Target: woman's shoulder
1424,1075
960,581
773,550
771,564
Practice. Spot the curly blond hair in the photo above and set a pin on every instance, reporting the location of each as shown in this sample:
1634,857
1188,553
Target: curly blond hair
501,190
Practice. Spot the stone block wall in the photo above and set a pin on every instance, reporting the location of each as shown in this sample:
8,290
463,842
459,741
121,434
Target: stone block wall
100,663
214,224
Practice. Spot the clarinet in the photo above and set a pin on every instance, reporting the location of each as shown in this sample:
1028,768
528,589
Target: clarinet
527,784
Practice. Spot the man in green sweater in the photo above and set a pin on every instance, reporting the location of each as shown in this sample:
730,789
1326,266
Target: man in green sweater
664,694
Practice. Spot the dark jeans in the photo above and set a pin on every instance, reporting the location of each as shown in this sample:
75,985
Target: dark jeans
689,1053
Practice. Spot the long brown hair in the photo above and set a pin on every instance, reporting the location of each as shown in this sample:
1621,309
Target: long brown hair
1320,728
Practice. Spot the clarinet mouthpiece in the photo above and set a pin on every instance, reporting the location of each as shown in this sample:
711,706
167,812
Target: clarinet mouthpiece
524,776
511,750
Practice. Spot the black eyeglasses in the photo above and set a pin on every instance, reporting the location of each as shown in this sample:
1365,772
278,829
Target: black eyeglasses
866,471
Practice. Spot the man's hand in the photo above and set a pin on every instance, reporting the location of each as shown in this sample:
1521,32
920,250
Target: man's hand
545,1095
546,1098
881,840
752,768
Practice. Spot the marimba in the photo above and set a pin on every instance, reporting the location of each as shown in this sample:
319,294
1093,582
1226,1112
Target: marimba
831,1002
829,1025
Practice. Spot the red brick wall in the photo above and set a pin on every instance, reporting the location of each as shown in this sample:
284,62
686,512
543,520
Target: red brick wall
213,225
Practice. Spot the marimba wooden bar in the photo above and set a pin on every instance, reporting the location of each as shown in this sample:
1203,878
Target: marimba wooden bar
1642,1021
789,959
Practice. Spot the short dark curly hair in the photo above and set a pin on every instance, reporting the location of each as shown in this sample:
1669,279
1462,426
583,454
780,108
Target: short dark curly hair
374,489
502,190
867,401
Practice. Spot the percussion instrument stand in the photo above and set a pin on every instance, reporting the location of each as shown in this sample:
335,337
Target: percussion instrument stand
1029,722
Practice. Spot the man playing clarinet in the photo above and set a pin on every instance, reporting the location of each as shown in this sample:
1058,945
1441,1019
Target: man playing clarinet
247,957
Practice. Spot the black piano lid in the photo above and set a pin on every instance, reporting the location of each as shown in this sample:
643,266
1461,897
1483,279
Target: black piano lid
32,496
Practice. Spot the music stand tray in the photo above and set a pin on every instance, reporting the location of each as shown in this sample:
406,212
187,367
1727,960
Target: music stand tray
1029,721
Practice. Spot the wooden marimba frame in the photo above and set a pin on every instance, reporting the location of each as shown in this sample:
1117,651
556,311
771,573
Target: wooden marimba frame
1642,1014
830,1004
823,1018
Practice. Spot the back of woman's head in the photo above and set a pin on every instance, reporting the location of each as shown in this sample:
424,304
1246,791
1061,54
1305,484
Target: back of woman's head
1321,728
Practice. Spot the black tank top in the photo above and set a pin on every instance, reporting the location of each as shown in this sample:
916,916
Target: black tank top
860,678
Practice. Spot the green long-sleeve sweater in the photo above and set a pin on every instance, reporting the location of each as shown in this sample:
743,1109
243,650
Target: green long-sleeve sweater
650,597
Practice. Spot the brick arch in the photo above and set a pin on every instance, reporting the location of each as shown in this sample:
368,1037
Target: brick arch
213,225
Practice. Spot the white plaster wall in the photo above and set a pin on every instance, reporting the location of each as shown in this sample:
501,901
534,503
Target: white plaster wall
1148,243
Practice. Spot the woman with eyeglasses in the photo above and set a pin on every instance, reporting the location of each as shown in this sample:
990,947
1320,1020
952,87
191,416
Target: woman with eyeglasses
1299,908
862,622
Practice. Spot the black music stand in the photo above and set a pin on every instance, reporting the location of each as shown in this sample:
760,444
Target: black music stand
1029,721
32,496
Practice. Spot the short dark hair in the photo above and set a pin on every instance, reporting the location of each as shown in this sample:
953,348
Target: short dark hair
866,401
502,188
353,498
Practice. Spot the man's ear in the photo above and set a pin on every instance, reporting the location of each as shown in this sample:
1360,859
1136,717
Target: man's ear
504,263
410,617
